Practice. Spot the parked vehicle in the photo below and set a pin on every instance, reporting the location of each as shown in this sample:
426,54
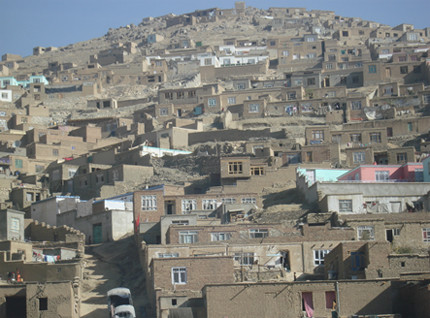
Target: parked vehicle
125,311
118,297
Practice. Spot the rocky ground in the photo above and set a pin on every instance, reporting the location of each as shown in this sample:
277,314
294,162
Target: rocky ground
110,265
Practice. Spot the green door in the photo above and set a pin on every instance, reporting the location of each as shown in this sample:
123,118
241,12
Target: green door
97,233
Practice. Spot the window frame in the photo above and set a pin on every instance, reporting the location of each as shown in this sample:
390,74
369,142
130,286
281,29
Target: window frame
235,167
209,204
212,102
359,157
319,256
188,237
343,203
220,236
426,235
382,175
366,228
179,275
244,258
254,108
258,233
188,205
148,202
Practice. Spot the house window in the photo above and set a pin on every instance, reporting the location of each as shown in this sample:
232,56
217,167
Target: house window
55,152
254,108
180,95
402,58
168,95
317,134
358,157
375,137
18,163
355,137
382,175
149,202
426,235
220,236
404,69
249,200
168,255
188,205
345,205
188,237
229,201
402,157
285,53
329,66
191,94
208,61
30,197
372,68
164,111
211,102
231,100
257,171
410,126
43,303
357,261
244,258
311,81
179,275
235,167
356,105
180,222
366,233
319,256
292,95
14,224
71,172
209,204
258,233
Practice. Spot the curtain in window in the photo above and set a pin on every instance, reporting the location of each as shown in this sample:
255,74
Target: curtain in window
330,300
309,305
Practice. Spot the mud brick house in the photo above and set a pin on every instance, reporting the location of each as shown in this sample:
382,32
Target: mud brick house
352,196
407,232
176,282
371,260
311,299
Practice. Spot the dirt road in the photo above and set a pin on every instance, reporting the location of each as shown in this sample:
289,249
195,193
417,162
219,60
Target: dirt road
110,265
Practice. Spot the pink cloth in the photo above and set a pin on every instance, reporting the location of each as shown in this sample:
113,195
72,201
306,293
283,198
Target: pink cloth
309,305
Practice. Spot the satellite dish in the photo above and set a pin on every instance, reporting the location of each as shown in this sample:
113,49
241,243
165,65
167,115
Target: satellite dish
17,143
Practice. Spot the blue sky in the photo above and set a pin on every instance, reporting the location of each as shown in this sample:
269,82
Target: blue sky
28,23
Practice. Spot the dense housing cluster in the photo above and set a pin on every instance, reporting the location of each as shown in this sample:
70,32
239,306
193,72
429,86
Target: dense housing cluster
264,161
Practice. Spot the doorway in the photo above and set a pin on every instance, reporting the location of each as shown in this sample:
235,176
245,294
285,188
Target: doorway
285,260
16,307
97,233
